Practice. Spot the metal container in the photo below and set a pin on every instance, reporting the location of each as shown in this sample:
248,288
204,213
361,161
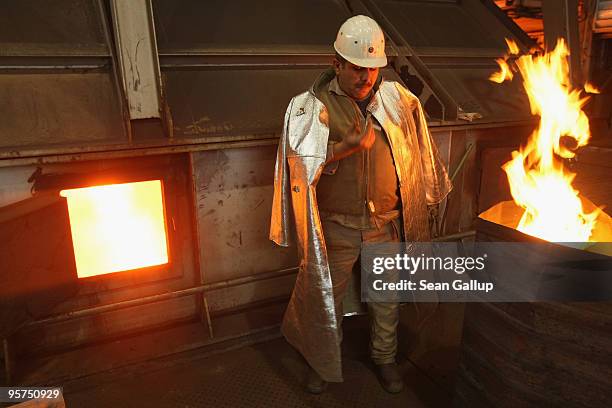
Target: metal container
534,354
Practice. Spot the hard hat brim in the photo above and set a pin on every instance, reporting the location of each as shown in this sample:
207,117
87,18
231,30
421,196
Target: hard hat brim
364,62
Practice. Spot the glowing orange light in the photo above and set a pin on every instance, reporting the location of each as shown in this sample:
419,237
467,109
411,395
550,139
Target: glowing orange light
590,88
512,46
553,209
117,227
504,72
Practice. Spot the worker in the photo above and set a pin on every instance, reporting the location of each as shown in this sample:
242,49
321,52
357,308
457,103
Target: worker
355,164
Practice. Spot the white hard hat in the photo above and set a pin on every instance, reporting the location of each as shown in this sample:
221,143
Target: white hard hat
361,42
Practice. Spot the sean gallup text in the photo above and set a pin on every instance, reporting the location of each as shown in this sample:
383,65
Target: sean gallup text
424,285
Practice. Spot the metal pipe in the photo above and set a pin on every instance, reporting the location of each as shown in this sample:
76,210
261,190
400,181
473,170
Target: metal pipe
52,67
462,161
162,296
211,333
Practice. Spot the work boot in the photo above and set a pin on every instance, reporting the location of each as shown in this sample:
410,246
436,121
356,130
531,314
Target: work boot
314,383
390,377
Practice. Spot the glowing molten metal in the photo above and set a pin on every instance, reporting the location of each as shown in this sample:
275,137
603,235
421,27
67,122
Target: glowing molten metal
117,227
538,181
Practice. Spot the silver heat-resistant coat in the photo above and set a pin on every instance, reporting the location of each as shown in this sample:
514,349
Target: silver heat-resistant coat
309,323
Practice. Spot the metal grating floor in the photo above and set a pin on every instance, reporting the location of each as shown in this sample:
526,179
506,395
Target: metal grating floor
269,374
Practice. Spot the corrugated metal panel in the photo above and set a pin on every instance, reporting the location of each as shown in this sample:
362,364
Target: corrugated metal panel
50,109
214,24
51,27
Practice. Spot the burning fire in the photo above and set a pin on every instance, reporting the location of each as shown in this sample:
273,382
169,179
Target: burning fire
505,73
538,181
117,227
589,88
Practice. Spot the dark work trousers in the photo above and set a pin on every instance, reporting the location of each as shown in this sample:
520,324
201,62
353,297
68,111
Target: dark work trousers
343,249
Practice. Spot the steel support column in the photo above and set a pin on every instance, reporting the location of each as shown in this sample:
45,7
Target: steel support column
137,55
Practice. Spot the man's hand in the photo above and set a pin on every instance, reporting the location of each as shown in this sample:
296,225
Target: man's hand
361,139
356,140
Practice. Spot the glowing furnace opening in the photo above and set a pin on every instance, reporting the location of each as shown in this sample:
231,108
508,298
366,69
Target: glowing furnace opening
117,227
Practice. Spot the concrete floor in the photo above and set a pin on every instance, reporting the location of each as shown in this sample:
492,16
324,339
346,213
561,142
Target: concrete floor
267,374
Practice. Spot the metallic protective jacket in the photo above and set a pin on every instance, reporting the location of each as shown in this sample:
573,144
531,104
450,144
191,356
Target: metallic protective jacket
309,323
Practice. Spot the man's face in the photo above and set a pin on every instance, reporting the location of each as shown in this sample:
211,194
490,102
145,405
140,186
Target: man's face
356,81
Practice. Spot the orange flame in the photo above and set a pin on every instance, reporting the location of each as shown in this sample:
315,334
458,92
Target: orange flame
538,181
504,69
117,227
590,88
512,46
504,72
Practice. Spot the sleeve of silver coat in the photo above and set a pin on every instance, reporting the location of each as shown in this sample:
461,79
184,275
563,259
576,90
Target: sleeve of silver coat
436,180
281,204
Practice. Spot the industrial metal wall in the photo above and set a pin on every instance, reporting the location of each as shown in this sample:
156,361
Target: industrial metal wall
57,81
103,290
226,86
